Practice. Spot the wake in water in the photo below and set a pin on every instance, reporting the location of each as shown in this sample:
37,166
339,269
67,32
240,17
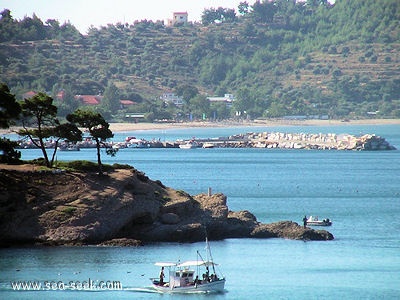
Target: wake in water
150,289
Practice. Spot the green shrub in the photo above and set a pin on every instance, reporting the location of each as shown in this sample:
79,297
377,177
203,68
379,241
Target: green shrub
83,166
122,166
69,210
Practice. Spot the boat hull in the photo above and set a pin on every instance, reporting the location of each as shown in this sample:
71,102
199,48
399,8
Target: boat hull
186,146
319,223
314,221
210,287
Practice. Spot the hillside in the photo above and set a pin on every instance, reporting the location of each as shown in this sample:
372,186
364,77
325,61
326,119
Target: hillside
278,59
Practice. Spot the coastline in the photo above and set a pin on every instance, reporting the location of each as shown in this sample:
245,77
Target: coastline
122,127
75,207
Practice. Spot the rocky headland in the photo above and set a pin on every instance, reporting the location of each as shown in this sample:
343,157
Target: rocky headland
124,207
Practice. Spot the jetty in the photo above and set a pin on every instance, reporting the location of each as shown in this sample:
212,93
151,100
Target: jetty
329,141
280,140
269,140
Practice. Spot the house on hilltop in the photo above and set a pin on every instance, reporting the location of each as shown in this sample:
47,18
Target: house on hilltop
178,18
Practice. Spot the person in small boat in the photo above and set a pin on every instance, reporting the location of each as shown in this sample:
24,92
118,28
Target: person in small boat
162,276
205,278
305,221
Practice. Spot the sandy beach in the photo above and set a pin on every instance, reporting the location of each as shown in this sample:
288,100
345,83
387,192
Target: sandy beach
121,127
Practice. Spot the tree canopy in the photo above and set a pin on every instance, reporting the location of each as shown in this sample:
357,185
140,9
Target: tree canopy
98,129
9,112
298,57
9,107
40,125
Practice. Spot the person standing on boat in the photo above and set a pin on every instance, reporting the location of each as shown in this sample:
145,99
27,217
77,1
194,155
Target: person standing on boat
162,276
305,221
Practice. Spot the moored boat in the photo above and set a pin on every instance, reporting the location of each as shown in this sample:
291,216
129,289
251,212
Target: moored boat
133,142
189,145
313,221
185,277
73,147
208,145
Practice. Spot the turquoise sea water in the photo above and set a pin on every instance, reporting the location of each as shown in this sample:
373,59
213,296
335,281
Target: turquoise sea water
359,191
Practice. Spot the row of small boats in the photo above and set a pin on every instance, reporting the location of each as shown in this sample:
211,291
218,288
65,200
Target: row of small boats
193,144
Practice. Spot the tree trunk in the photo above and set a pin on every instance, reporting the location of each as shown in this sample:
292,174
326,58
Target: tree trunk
46,158
98,157
54,153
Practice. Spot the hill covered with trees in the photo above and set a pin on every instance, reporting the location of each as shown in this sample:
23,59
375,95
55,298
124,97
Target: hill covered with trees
278,58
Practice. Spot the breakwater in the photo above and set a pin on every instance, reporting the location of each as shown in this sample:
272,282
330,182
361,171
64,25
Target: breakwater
270,140
318,141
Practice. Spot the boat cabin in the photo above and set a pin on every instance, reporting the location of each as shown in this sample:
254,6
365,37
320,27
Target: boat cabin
181,277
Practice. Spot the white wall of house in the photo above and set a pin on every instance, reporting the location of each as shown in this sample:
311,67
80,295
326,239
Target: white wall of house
178,18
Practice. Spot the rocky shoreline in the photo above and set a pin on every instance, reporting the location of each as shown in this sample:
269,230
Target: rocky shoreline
122,208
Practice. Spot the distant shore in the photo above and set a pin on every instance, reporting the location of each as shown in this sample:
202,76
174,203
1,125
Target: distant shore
122,127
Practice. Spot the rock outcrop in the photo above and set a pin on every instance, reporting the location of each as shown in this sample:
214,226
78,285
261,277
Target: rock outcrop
124,207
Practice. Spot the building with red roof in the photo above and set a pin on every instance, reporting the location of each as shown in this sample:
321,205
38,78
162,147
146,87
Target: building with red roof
126,103
89,99
29,94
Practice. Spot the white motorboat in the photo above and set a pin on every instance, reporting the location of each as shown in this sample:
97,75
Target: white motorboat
189,145
208,145
185,277
313,221
137,143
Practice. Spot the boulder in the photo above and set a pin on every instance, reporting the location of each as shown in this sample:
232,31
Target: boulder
289,230
170,218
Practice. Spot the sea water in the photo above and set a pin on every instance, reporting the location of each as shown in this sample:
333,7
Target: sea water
358,191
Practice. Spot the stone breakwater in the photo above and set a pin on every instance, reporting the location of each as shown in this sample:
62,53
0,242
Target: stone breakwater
281,140
310,141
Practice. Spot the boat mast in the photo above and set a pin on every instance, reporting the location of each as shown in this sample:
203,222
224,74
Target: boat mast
209,253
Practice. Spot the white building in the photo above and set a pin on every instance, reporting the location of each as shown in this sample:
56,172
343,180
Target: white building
178,18
172,98
227,98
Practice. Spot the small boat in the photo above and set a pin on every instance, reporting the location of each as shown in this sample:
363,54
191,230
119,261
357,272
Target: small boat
69,148
185,277
189,145
313,221
208,145
137,143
